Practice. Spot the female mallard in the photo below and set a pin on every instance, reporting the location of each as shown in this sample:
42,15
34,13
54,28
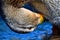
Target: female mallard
18,18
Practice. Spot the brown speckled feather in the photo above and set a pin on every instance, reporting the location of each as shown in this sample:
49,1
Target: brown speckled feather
16,3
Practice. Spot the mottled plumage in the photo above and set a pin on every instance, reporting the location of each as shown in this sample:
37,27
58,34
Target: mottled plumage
18,17
16,3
